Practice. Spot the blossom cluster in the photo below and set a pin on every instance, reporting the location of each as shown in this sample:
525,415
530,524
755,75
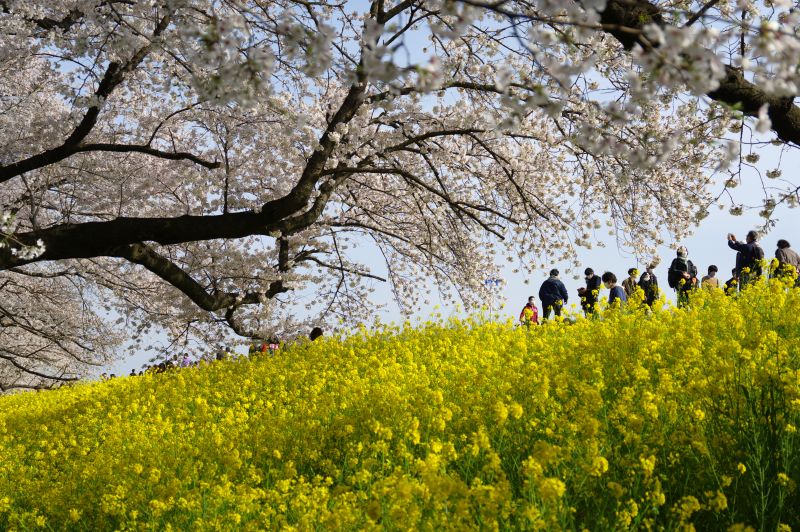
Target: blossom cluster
665,419
7,240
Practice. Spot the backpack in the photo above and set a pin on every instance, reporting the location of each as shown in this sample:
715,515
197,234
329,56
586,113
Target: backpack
673,275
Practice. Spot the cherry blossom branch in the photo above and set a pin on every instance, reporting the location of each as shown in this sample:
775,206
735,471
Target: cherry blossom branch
148,150
734,89
343,269
177,277
697,16
625,20
70,19
114,75
11,359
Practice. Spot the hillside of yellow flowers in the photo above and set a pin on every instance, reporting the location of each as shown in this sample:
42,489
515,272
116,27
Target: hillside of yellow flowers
637,420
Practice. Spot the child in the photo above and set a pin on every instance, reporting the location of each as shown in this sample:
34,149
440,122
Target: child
530,314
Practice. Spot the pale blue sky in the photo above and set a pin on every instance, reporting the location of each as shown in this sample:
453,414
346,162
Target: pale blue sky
707,246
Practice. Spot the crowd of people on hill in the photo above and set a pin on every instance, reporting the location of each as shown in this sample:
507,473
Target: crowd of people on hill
682,276
257,347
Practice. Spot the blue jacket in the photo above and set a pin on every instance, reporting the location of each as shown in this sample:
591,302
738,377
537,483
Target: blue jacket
617,294
551,291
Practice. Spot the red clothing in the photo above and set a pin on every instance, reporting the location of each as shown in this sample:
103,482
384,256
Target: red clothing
529,314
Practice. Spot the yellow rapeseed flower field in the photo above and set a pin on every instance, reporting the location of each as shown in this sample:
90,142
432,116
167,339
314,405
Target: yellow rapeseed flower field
665,420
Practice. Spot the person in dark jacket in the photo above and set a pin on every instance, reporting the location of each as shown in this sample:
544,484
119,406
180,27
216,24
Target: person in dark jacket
590,293
648,282
748,258
616,295
682,276
732,284
553,295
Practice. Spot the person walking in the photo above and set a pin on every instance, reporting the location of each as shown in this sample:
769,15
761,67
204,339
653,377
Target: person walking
530,314
590,292
616,295
629,284
553,295
648,282
682,276
788,257
710,281
748,259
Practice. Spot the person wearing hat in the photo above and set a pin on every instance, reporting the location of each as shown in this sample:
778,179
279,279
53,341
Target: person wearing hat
553,295
682,276
589,293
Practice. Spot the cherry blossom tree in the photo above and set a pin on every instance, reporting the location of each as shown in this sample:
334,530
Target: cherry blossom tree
216,167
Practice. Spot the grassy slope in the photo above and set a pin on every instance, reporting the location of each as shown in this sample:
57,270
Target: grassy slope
680,416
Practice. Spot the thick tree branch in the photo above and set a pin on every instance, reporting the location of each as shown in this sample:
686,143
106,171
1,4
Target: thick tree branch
97,239
141,148
177,277
286,214
171,273
11,359
734,89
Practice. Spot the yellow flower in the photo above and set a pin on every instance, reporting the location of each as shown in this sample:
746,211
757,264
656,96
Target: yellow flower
648,464
516,410
687,506
551,489
500,412
717,501
599,466
616,489
435,427
629,512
